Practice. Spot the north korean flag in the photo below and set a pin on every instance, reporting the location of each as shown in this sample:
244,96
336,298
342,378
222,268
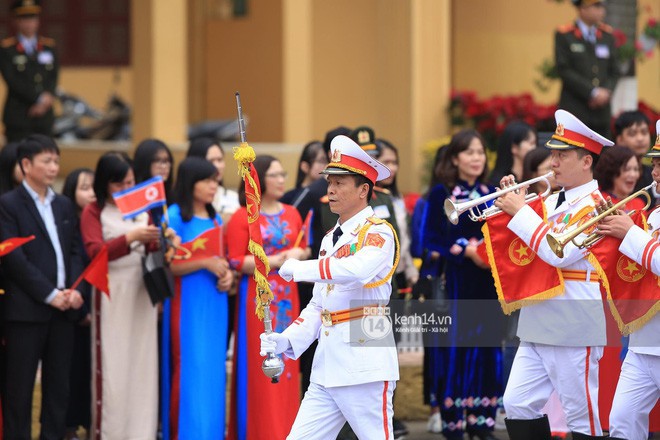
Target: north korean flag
142,197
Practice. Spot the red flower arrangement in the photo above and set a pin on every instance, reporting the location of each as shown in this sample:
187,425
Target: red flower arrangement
490,116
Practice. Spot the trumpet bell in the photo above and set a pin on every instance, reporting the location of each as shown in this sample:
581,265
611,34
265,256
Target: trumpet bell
556,246
454,210
451,211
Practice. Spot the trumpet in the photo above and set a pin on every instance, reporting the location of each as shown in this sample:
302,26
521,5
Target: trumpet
454,210
558,242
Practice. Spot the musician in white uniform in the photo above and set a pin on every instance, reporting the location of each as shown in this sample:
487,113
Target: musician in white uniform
638,389
355,366
562,338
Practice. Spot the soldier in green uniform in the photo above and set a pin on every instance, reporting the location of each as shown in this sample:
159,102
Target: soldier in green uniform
586,64
29,65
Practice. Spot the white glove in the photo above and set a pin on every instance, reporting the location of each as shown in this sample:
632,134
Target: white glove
286,270
273,343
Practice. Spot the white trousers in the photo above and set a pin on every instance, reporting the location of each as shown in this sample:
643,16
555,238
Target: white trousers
539,369
366,407
636,394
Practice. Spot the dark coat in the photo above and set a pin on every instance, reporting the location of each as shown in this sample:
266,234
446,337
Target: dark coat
582,66
30,272
27,76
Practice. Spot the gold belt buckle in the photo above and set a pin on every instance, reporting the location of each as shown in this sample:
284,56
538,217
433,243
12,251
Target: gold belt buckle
326,318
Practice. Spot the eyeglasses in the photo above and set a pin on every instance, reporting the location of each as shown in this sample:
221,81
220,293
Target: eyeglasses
162,162
282,175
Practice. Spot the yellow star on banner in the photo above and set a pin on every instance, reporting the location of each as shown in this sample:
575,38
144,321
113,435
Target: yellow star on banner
522,251
199,243
4,246
631,267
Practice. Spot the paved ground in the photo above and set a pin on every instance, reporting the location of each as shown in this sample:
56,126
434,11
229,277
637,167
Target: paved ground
418,432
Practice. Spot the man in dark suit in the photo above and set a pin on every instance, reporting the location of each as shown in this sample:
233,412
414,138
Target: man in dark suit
586,64
37,297
30,67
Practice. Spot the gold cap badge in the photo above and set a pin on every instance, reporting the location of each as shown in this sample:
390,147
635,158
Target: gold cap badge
336,156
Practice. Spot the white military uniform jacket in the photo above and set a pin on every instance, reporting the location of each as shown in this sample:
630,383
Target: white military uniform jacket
576,317
345,356
639,246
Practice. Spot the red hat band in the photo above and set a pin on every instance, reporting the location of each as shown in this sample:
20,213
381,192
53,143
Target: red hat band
577,140
357,166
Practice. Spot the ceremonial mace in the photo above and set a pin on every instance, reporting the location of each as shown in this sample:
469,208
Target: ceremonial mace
272,365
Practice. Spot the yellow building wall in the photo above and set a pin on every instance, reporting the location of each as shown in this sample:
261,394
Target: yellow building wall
648,71
245,54
497,46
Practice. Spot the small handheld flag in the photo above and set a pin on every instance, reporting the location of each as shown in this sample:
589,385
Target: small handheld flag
205,245
12,243
96,273
142,197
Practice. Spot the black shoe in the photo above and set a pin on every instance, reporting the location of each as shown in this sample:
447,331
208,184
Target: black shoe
399,429
537,429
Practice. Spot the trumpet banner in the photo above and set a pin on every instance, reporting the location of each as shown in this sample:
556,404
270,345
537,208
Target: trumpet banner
520,277
244,155
632,290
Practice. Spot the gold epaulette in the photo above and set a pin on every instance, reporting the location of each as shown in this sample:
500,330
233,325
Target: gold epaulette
47,41
376,220
565,28
382,190
8,42
360,242
606,28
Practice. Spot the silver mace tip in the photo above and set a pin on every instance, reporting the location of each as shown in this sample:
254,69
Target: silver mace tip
273,367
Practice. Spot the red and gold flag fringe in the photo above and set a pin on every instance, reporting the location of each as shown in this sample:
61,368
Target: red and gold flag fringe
245,155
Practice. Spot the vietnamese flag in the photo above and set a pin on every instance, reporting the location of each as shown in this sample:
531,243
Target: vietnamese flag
12,243
632,289
206,245
520,277
96,273
140,198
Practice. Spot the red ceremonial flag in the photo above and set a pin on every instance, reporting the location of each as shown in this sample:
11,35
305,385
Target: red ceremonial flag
206,245
520,277
96,273
11,244
253,204
140,198
244,155
633,291
482,252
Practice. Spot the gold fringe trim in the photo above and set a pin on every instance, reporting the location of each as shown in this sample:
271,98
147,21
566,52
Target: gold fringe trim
568,141
346,167
360,243
244,154
636,324
264,293
510,307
